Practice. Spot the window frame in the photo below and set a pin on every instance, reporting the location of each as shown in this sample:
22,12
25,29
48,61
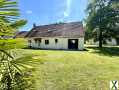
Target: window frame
56,41
47,42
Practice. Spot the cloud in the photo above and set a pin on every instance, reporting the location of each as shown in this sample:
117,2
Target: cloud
66,14
64,10
68,8
29,12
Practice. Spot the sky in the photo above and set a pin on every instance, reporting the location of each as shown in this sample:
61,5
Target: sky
43,12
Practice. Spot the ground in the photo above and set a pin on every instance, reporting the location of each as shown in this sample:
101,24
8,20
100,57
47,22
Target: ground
92,69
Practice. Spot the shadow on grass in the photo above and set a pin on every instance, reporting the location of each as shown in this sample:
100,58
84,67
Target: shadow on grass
109,51
55,49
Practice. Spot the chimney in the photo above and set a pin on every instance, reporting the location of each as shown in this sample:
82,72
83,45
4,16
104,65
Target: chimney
34,25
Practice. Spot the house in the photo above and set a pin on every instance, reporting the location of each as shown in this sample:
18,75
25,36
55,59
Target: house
21,34
57,36
110,42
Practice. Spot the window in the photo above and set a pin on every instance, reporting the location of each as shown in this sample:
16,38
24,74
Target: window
110,40
37,40
46,42
56,40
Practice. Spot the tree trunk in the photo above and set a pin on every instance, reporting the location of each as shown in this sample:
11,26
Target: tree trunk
100,39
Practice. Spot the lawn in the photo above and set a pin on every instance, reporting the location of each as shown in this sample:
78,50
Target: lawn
74,70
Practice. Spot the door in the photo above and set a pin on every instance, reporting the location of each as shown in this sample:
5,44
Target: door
73,43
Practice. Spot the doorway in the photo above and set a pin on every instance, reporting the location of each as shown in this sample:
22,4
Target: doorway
72,43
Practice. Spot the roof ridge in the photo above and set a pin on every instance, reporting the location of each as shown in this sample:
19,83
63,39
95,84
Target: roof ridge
59,24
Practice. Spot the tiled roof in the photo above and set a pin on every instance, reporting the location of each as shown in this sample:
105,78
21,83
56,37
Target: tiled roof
21,34
68,30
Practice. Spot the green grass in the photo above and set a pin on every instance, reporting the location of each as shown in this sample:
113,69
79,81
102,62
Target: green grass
75,70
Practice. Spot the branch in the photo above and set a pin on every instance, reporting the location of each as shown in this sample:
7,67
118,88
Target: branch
6,53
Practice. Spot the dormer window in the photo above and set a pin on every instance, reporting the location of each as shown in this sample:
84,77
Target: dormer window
52,30
49,30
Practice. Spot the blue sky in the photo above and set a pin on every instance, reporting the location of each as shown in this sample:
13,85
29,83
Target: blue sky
51,11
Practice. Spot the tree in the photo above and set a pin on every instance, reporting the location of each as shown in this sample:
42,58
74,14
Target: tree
10,73
103,19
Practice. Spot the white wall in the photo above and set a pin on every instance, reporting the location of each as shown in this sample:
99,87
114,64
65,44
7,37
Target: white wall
112,42
61,44
108,42
81,43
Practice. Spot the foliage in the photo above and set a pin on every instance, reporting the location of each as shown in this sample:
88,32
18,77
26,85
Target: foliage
13,70
8,9
19,23
103,19
10,44
11,77
9,14
5,29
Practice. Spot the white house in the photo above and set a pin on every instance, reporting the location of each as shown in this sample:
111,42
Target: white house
110,42
57,36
